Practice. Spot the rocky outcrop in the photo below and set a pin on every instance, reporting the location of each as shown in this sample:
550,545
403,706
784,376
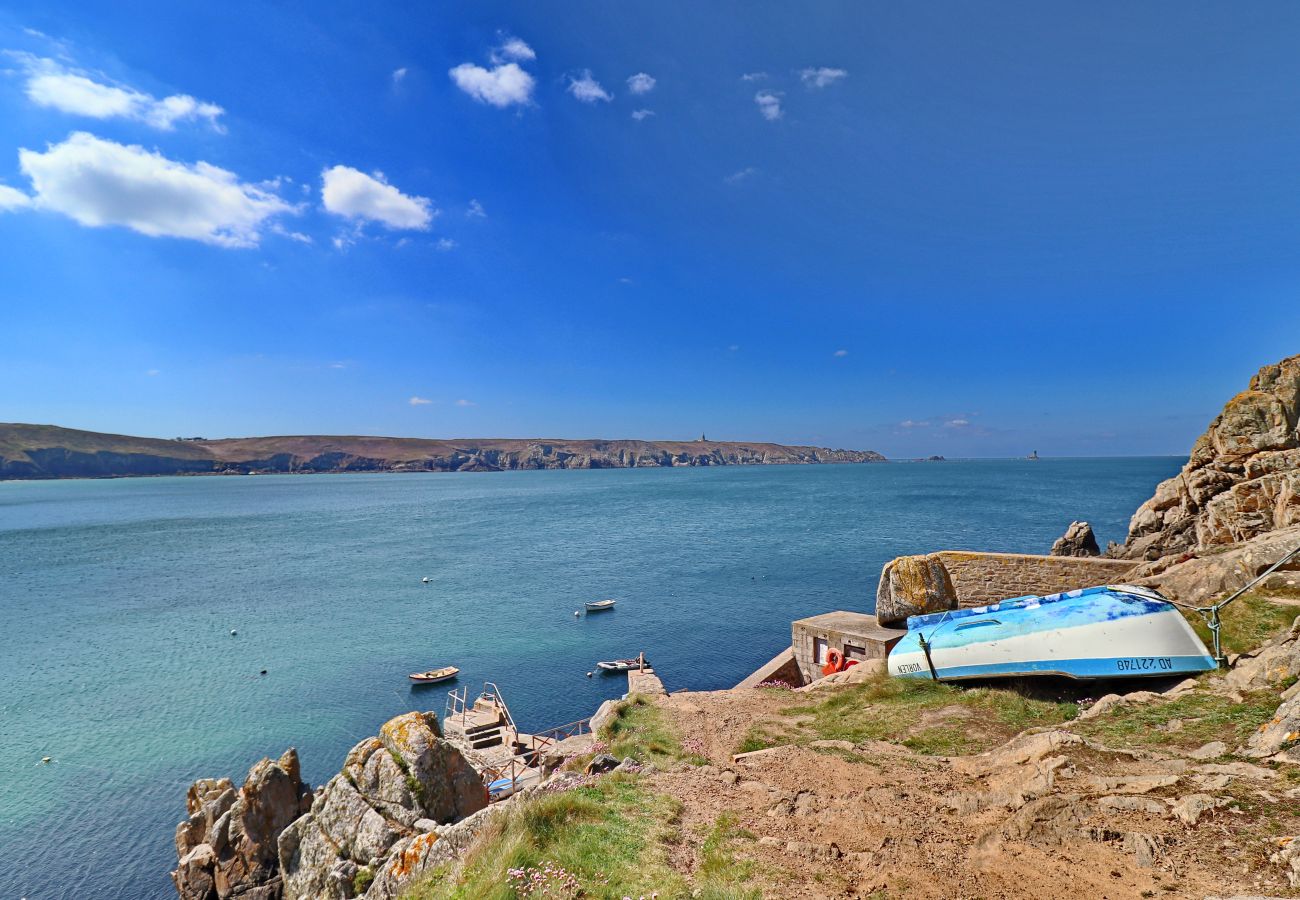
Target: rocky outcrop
47,451
1202,579
403,802
1078,540
381,813
1241,480
228,845
913,586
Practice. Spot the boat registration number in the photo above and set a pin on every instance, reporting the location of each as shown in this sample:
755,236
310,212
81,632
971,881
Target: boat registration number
1144,664
908,668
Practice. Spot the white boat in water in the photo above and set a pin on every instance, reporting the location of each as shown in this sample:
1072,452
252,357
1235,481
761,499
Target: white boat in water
600,605
1114,631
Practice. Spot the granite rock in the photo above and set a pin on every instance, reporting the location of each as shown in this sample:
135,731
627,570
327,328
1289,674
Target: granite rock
913,586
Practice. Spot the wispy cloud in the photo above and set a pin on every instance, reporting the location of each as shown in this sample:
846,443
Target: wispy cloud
956,423
399,75
587,89
769,104
466,403
153,373
753,76
12,199
822,77
512,49
841,353
642,114
445,244
641,83
97,182
53,85
740,175
353,194
419,401
475,210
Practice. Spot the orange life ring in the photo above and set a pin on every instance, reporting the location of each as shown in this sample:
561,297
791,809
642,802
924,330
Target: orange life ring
834,663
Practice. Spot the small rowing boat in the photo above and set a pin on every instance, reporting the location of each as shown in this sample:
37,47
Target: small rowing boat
619,665
433,676
1114,631
599,605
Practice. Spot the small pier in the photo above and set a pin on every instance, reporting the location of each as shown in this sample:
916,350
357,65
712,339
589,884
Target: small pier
485,732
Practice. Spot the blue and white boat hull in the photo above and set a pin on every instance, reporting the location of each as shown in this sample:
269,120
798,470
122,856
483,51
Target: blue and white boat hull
1118,631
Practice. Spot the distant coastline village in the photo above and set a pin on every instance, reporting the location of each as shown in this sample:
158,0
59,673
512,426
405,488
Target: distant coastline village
1118,723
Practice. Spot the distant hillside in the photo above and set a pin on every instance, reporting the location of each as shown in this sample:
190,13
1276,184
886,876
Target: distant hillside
48,451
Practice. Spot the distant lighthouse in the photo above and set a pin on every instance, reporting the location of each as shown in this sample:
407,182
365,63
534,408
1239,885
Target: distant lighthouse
703,439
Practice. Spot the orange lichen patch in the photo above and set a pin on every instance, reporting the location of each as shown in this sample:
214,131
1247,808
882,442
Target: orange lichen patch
405,862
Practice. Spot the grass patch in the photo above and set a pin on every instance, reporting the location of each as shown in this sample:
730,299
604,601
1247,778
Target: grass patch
640,729
1247,623
897,709
721,874
1204,717
610,839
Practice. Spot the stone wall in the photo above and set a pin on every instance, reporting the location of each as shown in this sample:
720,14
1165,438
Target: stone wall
981,578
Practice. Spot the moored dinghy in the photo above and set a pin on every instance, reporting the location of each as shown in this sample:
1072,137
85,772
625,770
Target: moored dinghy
434,676
600,605
1114,631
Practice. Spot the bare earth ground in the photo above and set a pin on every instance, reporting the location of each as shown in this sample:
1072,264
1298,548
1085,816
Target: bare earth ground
1047,815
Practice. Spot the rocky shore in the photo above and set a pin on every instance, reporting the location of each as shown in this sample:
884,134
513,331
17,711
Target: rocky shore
857,784
47,451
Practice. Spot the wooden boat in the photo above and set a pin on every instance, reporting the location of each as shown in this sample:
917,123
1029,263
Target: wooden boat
619,665
1113,631
433,676
600,605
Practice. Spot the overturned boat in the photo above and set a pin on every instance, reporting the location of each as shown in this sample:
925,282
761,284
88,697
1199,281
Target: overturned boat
1113,631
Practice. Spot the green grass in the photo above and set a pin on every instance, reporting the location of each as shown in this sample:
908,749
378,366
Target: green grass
1205,717
1247,623
640,729
613,837
892,709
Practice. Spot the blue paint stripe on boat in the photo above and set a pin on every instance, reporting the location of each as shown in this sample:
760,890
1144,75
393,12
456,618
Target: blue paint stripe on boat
1112,667
1132,605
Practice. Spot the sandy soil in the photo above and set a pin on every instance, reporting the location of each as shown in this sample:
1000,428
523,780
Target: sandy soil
1045,816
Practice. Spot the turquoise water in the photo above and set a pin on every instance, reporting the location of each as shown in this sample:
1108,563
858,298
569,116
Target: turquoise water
118,598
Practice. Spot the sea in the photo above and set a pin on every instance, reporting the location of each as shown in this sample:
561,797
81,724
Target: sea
137,615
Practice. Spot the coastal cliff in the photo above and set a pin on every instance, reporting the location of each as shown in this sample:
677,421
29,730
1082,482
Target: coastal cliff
48,451
1241,481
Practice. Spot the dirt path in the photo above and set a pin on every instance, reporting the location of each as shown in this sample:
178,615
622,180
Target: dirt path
1046,816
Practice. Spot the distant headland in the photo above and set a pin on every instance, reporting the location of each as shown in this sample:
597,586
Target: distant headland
49,451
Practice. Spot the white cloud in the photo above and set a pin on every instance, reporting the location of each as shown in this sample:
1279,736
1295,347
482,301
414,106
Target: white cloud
641,83
822,77
466,403
753,76
98,182
399,75
912,423
445,244
355,195
501,86
741,175
956,423
419,401
154,373
642,114
733,347
512,49
769,104
841,353
588,89
476,210
12,198
55,86
298,236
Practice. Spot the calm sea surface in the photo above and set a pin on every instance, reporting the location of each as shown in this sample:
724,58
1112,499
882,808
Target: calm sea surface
118,598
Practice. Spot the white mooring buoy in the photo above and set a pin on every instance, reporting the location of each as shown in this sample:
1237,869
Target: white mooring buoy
233,632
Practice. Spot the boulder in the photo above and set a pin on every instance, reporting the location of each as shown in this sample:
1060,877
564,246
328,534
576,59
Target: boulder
1279,737
1078,540
228,846
388,802
913,586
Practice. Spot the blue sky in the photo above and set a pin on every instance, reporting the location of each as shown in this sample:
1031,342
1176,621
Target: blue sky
967,229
